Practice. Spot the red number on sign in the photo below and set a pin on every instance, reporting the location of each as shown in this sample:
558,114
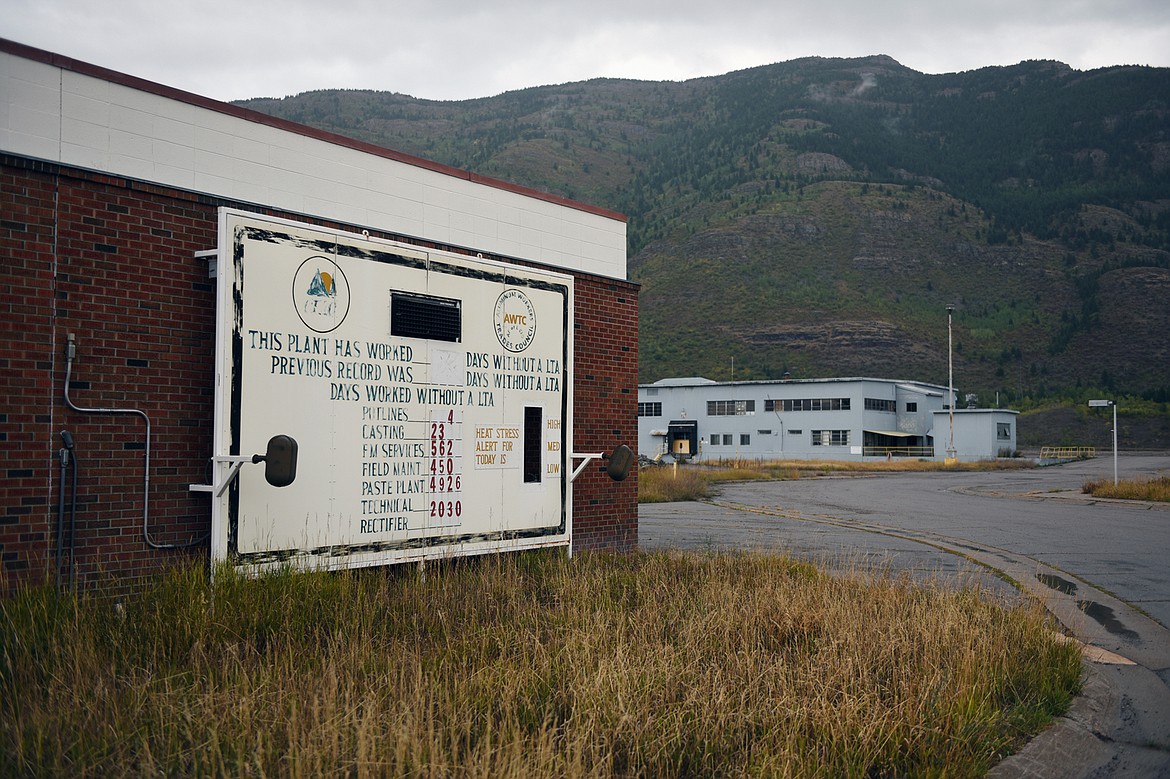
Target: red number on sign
446,509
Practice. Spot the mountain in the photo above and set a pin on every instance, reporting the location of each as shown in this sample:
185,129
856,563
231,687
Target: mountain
817,216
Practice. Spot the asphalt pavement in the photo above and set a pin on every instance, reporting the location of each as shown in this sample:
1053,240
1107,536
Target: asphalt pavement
1101,567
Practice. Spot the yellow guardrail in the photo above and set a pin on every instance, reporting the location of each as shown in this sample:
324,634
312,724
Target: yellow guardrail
1067,452
897,451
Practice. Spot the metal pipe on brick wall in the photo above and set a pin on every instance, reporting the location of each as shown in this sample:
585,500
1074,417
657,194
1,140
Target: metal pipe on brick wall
70,354
69,455
63,454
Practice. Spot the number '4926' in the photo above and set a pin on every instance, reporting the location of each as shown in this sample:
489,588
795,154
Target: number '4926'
447,483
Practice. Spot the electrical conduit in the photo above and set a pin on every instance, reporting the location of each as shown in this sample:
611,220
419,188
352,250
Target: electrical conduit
70,354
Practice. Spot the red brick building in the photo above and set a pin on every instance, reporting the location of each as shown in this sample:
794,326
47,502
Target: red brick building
110,194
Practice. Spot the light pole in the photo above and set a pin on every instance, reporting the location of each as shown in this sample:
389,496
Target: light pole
951,459
1104,404
776,405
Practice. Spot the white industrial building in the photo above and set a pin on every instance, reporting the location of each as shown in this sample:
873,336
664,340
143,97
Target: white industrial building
839,419
980,433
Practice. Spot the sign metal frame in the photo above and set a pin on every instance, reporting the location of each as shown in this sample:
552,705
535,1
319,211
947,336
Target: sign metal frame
305,347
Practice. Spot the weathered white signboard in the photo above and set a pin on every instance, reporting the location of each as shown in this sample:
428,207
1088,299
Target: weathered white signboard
428,392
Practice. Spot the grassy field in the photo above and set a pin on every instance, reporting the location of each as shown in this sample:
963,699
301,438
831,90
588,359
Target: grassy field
1130,489
666,483
647,664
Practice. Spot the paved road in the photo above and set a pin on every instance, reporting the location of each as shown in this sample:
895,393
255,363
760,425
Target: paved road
1102,567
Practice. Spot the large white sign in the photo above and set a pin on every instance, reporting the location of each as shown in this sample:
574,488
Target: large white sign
428,392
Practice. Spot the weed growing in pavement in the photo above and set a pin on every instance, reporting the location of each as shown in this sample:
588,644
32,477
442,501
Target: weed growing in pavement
1157,488
694,481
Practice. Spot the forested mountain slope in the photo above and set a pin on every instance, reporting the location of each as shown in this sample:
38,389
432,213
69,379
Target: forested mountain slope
817,216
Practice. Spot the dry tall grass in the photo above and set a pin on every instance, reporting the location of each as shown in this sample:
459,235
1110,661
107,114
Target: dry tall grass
665,484
692,481
1130,489
531,665
785,468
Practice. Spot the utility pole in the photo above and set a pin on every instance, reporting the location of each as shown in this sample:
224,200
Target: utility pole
951,459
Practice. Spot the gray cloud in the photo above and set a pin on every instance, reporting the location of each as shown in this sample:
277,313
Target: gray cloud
456,49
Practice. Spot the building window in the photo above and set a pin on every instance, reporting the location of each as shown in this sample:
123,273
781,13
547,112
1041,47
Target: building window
650,409
830,438
730,408
879,404
727,439
1003,431
714,439
745,439
796,431
807,404
764,432
911,408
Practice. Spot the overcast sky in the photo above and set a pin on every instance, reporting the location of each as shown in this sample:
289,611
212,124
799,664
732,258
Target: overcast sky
455,49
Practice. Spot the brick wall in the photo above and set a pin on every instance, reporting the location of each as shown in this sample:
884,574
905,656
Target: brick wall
605,398
26,369
112,262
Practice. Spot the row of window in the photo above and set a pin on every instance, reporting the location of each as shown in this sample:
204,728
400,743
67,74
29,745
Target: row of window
732,408
726,439
819,438
807,404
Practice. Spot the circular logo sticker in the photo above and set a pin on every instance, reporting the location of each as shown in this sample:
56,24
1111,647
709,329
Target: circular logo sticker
515,320
320,294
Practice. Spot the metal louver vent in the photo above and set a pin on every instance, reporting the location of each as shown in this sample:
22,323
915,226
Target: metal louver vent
425,316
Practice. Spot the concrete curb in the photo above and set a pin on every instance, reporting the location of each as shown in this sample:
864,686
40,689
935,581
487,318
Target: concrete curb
1103,734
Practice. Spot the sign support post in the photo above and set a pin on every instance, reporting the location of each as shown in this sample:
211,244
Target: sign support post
1104,404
